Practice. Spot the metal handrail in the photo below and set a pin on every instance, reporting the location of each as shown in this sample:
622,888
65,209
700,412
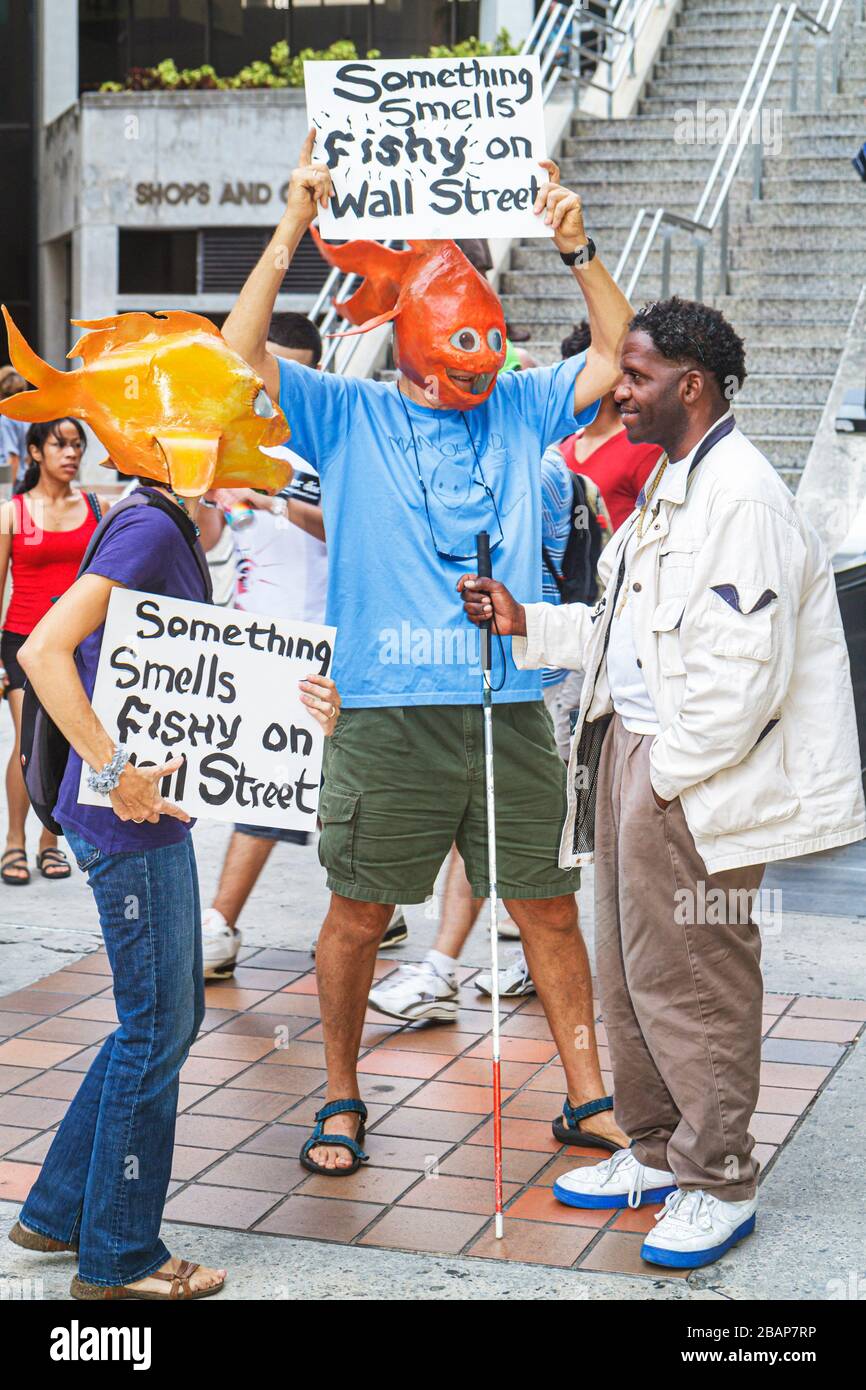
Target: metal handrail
822,27
558,35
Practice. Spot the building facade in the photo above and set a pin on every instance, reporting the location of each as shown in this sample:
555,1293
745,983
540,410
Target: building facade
151,199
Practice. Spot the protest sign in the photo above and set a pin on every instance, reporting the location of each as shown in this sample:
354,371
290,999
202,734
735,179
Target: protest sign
429,147
219,686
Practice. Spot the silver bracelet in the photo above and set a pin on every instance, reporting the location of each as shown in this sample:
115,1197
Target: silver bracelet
108,777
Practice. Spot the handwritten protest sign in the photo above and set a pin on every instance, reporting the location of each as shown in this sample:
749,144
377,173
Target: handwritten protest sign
219,686
429,147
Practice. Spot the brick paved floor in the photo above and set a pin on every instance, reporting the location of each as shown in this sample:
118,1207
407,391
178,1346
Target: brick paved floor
252,1083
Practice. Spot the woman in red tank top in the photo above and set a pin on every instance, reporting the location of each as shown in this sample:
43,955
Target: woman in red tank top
44,531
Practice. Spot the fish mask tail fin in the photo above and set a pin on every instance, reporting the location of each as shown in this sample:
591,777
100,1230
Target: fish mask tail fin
383,271
54,392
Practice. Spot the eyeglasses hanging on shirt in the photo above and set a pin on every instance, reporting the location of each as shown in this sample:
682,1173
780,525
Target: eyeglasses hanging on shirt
463,504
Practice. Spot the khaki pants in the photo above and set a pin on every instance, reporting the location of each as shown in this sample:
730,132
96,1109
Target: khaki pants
680,982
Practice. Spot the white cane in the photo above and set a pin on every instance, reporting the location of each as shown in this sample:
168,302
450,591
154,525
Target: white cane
485,572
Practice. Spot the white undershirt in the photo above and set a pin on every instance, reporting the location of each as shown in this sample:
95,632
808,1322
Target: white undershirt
628,689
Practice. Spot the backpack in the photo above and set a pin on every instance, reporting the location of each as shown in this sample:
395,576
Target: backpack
44,749
590,531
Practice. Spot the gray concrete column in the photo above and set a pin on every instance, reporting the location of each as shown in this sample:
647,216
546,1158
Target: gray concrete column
56,57
514,15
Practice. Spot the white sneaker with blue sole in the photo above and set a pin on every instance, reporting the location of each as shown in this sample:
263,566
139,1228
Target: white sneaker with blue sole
620,1181
696,1229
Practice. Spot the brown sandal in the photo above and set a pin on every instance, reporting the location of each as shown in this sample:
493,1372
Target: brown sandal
14,859
35,1240
178,1281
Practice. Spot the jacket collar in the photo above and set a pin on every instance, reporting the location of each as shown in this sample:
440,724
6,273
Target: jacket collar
674,481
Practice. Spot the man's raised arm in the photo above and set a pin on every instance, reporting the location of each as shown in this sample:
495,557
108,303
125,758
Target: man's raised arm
608,310
246,328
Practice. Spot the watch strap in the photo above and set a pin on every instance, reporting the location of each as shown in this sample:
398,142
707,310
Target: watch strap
582,256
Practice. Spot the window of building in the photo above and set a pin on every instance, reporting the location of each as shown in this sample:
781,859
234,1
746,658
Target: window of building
157,262
215,260
116,35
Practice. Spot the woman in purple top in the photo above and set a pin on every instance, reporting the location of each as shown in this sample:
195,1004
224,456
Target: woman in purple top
102,1188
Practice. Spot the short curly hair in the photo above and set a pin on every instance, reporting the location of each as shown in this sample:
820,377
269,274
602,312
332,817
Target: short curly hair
683,330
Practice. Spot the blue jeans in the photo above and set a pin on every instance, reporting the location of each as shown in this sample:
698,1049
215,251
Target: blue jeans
104,1181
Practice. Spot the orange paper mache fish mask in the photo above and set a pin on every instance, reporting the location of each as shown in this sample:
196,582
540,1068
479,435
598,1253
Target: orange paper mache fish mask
449,329
167,397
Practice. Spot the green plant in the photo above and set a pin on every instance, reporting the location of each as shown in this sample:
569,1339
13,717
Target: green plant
283,70
502,47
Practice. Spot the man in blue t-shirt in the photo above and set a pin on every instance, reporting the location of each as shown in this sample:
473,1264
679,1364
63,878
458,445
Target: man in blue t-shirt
410,475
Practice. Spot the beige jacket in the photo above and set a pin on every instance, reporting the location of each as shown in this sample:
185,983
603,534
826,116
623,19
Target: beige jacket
738,632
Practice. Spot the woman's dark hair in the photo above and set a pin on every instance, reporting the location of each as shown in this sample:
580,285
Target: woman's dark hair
37,435
577,341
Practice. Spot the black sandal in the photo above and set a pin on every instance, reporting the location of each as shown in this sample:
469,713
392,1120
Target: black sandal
53,858
567,1130
14,858
318,1136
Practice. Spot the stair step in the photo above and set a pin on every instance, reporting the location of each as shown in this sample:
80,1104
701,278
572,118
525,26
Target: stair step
826,213
760,257
792,308
840,285
791,420
767,388
807,238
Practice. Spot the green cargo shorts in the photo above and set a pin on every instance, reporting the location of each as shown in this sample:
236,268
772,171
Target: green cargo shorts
404,783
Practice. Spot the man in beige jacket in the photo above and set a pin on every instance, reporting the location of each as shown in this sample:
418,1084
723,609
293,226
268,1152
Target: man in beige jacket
716,733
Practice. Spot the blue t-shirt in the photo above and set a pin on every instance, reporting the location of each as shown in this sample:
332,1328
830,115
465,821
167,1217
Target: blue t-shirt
13,440
142,549
396,547
557,505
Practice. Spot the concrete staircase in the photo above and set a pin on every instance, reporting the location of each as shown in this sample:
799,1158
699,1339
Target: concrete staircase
797,257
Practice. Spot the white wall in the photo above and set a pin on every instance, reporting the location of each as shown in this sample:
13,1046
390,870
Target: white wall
514,15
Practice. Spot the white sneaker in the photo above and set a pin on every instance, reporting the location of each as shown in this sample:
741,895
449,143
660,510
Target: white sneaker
220,945
514,978
416,991
697,1228
620,1181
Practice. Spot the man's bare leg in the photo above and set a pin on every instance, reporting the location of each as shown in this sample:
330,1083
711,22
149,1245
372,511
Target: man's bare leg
459,909
245,858
559,965
345,958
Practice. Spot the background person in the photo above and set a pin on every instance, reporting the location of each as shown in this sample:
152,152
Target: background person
13,433
280,567
602,450
44,532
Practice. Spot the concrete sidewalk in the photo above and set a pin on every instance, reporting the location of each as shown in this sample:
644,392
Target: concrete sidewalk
812,1223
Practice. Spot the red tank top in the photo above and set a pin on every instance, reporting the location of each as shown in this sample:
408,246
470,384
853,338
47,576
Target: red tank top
44,564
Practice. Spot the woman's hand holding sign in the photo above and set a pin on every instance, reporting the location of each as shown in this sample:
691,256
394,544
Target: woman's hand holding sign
322,698
137,796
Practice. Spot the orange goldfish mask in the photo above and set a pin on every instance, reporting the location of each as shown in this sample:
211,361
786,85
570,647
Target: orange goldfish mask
449,329
167,397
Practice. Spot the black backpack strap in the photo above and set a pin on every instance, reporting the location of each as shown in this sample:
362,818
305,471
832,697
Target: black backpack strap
93,503
150,497
551,567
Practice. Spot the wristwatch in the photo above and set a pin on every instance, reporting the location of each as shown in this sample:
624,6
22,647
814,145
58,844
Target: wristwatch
279,506
582,256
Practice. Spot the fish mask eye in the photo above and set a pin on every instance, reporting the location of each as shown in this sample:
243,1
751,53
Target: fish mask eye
466,339
263,405
494,340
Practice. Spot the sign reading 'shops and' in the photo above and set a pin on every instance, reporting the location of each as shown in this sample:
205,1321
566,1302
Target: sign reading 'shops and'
219,687
429,147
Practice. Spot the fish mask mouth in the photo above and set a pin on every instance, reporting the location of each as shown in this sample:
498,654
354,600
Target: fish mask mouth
472,384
